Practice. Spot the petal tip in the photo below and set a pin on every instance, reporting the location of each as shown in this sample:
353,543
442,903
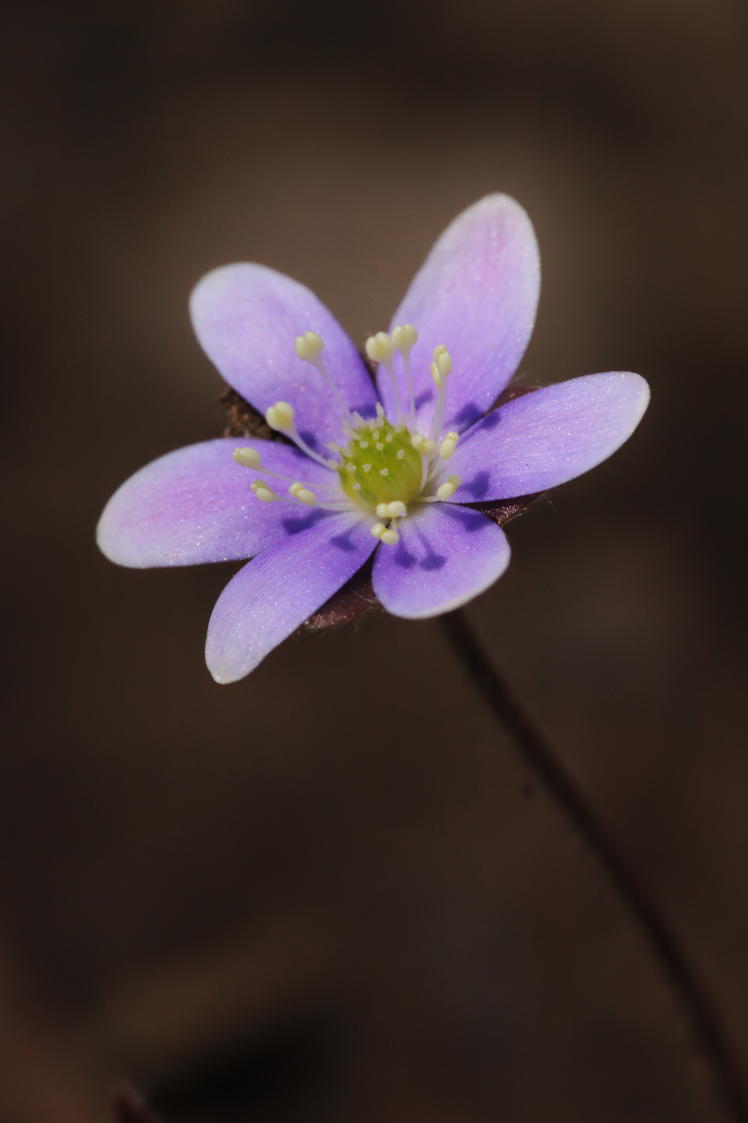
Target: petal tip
220,668
112,544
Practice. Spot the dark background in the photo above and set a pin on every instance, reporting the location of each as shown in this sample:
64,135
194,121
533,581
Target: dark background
333,881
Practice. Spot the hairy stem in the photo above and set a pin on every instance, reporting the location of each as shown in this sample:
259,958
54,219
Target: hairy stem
686,987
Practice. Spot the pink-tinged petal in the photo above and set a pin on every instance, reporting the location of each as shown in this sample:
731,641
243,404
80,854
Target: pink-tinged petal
446,556
273,594
247,318
545,438
477,293
196,505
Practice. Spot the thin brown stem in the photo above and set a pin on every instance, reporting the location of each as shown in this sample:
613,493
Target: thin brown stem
688,990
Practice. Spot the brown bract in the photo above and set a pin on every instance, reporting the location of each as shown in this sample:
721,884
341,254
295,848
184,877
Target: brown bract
357,596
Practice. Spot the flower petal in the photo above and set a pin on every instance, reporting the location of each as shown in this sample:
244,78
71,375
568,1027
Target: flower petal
247,318
476,293
196,505
545,438
446,556
271,596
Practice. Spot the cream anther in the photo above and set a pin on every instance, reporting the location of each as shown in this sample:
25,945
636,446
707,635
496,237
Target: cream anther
444,363
448,445
379,347
387,535
394,510
281,417
446,490
422,444
309,346
441,366
303,494
405,338
264,493
247,457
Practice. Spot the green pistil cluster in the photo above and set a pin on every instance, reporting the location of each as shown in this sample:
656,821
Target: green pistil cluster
380,465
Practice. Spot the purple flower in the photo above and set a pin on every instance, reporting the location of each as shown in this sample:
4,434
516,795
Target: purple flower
391,469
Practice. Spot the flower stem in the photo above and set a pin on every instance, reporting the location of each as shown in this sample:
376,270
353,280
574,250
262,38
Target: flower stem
673,962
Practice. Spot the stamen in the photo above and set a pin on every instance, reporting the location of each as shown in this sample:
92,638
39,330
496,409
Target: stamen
247,457
448,445
422,444
441,368
446,490
282,418
394,510
405,338
264,493
390,536
309,347
303,494
380,349
387,535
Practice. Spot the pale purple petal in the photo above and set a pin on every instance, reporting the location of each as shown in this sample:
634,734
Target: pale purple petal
247,318
476,293
196,505
273,594
547,437
446,556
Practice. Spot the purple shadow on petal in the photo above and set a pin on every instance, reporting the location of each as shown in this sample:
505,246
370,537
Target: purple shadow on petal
445,557
276,592
540,440
423,398
467,415
357,597
297,522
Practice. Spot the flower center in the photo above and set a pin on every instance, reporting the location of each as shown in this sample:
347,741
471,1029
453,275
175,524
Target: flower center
388,462
380,464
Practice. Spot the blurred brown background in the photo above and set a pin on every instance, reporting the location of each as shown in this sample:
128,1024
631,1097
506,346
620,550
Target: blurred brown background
328,893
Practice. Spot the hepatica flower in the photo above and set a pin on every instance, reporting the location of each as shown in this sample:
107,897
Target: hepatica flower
392,468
